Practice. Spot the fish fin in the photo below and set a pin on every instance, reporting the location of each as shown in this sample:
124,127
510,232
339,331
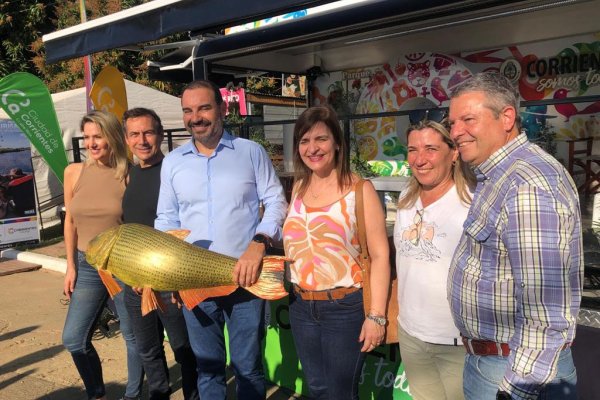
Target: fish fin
192,297
109,282
150,301
270,281
179,233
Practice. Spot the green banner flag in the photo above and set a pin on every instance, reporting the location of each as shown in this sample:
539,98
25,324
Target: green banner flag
28,103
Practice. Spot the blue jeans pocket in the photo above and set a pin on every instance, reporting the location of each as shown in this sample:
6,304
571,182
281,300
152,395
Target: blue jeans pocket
351,301
490,368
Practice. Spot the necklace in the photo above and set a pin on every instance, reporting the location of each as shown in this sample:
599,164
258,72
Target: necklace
312,194
316,195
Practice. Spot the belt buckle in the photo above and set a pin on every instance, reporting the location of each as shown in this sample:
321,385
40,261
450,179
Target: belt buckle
499,349
469,344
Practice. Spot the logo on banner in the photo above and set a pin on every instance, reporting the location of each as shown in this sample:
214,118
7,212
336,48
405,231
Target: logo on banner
14,108
22,230
27,101
511,69
108,92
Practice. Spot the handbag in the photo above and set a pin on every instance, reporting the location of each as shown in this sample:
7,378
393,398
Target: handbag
391,311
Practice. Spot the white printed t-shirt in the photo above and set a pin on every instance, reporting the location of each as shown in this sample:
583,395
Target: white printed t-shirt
425,241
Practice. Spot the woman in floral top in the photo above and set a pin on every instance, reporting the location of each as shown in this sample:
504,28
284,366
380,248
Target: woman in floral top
327,317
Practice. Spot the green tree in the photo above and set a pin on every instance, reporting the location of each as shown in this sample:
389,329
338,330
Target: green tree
24,22
69,74
21,23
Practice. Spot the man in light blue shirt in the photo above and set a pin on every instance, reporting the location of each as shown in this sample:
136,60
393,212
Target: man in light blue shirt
212,186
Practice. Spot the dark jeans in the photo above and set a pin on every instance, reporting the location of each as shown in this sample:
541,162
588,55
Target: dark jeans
244,315
149,338
326,337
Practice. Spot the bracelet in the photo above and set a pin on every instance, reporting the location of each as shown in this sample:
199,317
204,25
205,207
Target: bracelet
378,319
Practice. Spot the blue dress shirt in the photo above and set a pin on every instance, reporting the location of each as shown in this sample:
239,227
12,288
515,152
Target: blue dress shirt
217,197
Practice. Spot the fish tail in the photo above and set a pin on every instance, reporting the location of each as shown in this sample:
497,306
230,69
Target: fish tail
151,302
179,233
270,282
109,282
192,297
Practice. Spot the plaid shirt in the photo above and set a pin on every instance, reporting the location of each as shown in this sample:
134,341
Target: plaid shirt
516,276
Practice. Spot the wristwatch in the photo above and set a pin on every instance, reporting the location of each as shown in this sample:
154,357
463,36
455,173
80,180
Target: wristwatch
264,239
378,319
501,395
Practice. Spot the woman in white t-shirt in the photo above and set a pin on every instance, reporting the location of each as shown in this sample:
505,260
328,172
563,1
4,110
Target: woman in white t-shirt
428,226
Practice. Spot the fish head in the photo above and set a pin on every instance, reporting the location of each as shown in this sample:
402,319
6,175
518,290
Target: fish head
100,247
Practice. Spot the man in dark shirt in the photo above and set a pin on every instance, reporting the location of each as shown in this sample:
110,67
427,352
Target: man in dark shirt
144,134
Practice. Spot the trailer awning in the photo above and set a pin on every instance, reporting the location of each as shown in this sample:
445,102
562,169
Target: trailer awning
160,18
367,33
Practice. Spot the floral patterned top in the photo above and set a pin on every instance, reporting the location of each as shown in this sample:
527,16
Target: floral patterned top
323,242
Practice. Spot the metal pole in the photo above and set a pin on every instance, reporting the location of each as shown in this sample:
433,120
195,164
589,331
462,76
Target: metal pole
76,150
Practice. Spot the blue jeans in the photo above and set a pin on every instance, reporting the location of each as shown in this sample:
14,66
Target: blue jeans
85,308
483,375
148,332
326,337
135,370
244,315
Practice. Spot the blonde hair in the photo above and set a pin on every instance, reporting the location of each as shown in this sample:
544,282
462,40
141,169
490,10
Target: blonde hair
463,176
112,131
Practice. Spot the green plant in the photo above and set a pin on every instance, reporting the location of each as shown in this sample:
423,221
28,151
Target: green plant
546,139
268,85
358,164
258,136
233,120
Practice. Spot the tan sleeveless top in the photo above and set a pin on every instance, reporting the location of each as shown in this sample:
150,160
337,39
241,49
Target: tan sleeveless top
96,203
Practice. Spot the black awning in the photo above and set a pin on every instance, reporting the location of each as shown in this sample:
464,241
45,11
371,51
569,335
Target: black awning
358,18
161,18
364,18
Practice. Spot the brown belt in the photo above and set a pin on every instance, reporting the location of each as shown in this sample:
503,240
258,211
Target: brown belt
489,348
329,294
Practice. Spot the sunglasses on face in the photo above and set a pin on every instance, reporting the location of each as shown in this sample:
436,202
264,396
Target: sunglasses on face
431,114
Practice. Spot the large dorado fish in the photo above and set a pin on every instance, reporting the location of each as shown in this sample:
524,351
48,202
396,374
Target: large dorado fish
141,256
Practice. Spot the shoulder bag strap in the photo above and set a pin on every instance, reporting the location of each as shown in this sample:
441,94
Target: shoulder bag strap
365,261
360,224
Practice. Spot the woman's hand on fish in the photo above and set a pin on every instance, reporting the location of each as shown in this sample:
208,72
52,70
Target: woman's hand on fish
247,268
69,283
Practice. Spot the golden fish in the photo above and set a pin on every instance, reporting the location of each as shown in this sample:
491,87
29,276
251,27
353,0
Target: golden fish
141,256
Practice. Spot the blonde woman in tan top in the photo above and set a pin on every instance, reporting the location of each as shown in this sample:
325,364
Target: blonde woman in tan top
93,193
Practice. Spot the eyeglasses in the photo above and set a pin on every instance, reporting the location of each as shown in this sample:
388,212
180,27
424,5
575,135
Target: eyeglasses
415,233
431,114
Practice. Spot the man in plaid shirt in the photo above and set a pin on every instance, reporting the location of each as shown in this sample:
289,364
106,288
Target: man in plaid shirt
515,279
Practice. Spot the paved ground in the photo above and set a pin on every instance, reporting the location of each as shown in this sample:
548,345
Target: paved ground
33,362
